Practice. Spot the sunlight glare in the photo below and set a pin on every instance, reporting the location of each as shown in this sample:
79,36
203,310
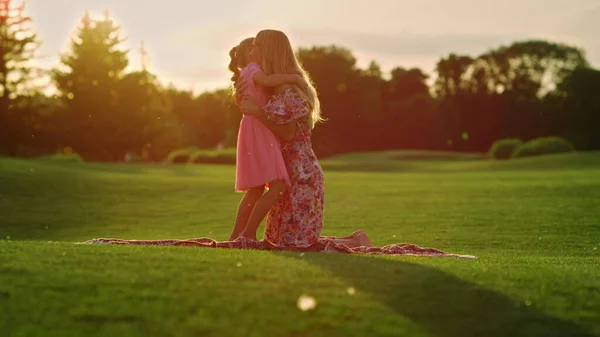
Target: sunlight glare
306,303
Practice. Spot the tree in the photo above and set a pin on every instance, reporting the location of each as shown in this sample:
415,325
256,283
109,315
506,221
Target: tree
18,45
498,94
146,124
89,84
333,69
573,109
366,90
451,73
185,109
212,120
522,73
410,112
144,116
452,94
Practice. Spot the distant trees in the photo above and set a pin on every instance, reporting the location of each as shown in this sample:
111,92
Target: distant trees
104,110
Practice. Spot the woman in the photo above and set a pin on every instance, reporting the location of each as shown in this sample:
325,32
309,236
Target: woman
296,220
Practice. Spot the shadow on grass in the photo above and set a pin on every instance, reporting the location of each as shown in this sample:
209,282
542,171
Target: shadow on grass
442,304
38,201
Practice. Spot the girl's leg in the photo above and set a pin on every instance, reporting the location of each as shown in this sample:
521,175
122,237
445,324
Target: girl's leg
245,209
262,207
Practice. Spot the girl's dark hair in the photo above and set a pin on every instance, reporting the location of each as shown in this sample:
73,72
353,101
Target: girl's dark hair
238,60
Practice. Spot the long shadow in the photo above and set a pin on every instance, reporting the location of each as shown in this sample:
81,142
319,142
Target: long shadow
38,199
442,304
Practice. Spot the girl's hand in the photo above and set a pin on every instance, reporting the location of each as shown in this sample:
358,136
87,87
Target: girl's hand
300,82
249,107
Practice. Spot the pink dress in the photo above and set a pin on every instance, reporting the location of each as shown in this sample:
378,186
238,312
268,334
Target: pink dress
258,159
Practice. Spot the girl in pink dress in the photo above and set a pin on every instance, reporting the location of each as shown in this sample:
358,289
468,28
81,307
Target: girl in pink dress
259,161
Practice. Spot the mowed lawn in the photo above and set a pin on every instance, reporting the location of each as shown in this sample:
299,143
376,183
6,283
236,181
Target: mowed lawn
533,223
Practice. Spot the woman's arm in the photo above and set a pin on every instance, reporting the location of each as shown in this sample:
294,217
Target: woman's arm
240,87
285,131
264,80
267,81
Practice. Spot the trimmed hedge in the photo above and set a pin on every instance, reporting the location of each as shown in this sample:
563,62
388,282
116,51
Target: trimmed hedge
543,146
66,157
180,156
226,156
505,148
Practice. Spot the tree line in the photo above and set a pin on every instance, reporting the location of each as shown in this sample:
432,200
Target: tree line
101,111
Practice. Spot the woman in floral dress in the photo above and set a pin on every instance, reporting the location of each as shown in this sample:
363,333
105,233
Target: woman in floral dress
297,218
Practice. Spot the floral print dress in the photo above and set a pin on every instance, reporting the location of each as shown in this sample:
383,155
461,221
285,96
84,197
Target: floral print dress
297,218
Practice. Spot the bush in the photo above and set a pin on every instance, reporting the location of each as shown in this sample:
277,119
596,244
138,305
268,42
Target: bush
66,157
505,148
226,156
180,156
543,146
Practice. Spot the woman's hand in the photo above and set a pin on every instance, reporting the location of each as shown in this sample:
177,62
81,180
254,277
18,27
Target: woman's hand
249,107
240,87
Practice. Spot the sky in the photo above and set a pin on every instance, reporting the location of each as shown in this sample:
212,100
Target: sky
188,40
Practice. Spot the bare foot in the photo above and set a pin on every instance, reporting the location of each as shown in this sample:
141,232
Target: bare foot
364,240
357,233
349,237
248,236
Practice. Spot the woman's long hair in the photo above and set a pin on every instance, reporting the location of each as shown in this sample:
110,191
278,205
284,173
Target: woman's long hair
279,58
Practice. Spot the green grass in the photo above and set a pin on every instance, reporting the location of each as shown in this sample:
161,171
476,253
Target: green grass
534,224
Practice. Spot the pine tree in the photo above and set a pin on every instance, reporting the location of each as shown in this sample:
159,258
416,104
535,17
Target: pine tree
18,45
89,83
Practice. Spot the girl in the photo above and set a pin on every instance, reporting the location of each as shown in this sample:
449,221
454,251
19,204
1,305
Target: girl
259,162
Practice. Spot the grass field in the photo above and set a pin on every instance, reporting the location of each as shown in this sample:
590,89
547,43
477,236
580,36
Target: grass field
533,223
